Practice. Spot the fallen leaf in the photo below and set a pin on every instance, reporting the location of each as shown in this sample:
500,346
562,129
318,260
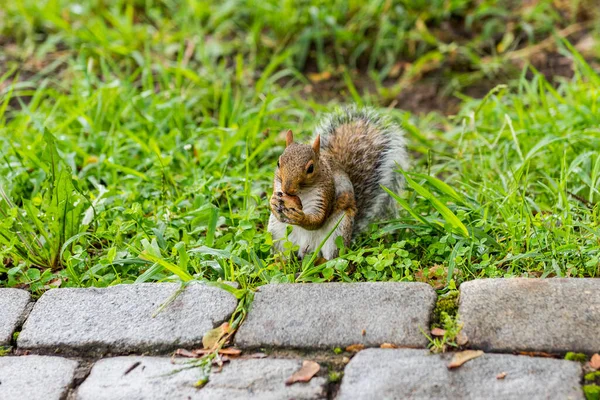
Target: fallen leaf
438,332
229,351
388,346
435,275
185,353
304,374
463,356
595,361
212,337
316,77
219,361
54,283
501,375
320,261
355,348
461,339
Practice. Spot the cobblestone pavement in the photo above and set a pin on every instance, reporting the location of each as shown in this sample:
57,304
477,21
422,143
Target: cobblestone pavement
115,343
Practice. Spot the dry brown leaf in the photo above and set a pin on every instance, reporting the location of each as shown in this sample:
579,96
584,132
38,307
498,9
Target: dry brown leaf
595,361
435,275
461,339
212,337
388,346
54,283
219,361
319,77
355,348
186,353
501,375
231,351
320,261
463,356
304,374
438,332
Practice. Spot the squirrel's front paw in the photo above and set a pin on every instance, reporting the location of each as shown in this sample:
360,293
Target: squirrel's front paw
292,216
276,204
285,208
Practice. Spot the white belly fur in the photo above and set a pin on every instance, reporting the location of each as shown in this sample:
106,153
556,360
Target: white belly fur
306,240
309,241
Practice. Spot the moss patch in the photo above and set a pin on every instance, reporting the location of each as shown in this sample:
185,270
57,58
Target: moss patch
446,303
335,376
592,377
4,351
592,392
580,357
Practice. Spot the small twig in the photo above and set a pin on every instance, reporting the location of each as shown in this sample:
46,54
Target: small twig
134,366
581,199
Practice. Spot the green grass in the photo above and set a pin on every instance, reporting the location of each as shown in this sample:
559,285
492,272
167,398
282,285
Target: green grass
138,142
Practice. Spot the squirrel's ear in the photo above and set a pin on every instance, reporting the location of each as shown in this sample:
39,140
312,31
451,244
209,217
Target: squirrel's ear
289,137
316,146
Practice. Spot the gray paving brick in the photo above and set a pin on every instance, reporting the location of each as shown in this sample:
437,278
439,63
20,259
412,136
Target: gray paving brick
13,303
122,319
338,314
155,378
416,374
552,315
35,377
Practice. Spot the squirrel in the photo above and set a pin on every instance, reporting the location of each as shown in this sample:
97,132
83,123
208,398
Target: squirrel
337,180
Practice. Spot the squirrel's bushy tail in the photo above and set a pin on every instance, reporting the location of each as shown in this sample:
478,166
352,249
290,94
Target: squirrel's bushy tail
369,147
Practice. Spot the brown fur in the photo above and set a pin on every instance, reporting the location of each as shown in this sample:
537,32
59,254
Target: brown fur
292,175
345,202
353,145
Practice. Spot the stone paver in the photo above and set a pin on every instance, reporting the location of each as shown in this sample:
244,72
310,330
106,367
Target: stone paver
416,374
35,377
123,318
338,314
552,315
153,378
13,303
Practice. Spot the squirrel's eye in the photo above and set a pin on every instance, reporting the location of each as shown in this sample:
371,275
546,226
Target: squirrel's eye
310,169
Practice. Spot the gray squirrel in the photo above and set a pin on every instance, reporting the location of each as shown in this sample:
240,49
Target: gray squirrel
339,177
